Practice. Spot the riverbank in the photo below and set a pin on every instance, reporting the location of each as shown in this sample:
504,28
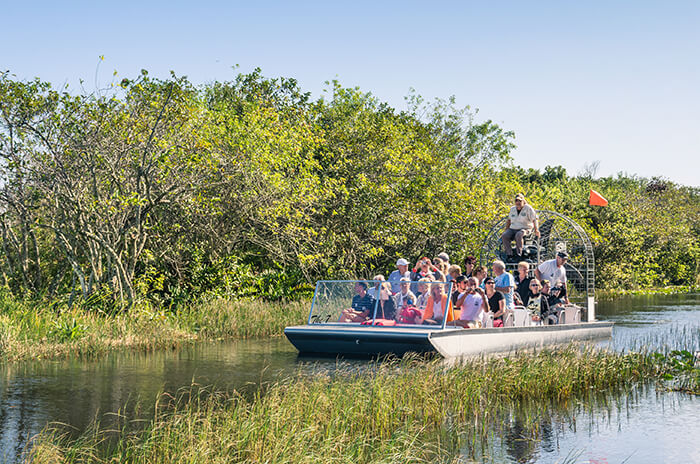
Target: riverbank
407,410
34,331
30,330
607,295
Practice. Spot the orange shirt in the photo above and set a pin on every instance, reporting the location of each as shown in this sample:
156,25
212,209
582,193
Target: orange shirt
429,308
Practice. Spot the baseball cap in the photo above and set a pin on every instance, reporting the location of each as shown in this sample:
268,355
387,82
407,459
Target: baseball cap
402,262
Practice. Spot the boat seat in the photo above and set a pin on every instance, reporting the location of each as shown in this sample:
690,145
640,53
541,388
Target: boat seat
570,315
521,317
508,318
488,320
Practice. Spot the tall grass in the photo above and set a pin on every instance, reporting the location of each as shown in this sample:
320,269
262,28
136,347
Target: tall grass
401,411
35,331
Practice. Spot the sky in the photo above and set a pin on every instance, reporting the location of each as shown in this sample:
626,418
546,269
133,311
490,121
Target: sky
614,82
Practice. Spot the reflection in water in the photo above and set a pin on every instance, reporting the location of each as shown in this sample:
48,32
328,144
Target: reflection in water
642,423
78,392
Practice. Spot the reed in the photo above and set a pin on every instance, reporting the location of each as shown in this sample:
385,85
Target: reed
405,410
35,331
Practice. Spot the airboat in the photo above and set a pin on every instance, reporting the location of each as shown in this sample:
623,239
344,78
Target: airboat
382,334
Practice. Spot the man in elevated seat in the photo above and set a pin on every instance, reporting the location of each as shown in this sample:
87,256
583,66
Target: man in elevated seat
522,220
362,305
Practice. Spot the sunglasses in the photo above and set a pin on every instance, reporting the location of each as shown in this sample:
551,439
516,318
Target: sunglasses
534,285
489,283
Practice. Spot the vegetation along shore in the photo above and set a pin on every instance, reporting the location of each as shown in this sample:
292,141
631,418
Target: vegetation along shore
406,410
157,211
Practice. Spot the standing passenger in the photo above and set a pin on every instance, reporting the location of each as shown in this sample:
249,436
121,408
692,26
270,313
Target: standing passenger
504,283
522,282
554,271
395,277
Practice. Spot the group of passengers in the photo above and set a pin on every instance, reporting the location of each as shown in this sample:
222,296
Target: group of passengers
417,295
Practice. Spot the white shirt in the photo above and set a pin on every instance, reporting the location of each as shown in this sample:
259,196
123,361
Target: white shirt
523,220
401,299
472,309
550,271
437,309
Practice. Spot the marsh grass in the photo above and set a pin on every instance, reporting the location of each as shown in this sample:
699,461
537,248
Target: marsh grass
35,331
611,294
405,410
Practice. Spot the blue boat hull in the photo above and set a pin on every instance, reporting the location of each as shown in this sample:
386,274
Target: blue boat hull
369,341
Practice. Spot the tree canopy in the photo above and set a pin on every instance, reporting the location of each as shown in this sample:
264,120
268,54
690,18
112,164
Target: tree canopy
160,189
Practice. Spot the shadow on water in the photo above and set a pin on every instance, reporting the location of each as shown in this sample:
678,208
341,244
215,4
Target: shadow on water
603,428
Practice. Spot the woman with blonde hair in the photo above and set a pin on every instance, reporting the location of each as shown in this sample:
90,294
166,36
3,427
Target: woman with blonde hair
438,304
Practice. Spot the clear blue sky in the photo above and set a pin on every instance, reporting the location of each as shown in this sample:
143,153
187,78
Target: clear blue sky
615,82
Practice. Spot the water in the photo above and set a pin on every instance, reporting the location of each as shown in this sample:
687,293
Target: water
639,425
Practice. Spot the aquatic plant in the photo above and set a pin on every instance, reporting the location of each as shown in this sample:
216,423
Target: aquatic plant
405,410
41,332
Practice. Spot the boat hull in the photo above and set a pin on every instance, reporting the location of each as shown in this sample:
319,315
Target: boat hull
450,343
358,340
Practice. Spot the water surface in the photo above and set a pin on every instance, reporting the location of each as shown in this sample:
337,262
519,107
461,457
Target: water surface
641,425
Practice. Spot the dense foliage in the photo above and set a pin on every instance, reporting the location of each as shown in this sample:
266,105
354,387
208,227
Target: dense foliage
164,190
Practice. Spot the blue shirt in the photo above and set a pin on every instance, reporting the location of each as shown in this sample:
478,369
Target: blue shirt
507,280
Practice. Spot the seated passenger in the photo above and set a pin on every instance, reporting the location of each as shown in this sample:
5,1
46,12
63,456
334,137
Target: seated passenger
407,311
362,305
496,301
522,283
538,305
405,297
386,308
453,272
423,293
473,303
522,219
480,273
440,270
435,308
374,291
458,287
553,294
469,263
